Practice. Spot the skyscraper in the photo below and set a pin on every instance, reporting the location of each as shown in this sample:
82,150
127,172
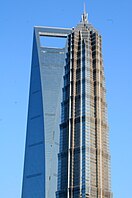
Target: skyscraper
74,125
84,159
42,139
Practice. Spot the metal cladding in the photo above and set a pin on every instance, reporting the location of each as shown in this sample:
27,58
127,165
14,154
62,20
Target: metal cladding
84,159
67,117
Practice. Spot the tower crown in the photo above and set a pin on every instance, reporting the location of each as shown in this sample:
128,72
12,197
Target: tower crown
85,15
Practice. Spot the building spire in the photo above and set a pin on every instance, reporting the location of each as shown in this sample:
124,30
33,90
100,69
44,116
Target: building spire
84,8
85,15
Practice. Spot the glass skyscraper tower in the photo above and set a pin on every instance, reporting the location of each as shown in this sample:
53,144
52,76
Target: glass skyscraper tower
67,117
42,139
84,159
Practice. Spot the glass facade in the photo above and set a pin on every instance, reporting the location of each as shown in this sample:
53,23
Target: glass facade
84,159
42,141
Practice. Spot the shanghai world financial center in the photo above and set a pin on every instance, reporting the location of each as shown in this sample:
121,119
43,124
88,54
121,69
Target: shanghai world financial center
67,142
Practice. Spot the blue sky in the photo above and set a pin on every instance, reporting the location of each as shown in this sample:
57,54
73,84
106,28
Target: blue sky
17,18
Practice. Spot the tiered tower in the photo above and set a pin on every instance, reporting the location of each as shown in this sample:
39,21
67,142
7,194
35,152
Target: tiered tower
84,159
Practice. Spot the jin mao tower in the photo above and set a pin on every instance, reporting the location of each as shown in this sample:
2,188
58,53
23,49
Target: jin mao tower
84,159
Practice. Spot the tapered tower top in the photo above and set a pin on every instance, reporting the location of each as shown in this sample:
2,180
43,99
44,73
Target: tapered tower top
85,15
